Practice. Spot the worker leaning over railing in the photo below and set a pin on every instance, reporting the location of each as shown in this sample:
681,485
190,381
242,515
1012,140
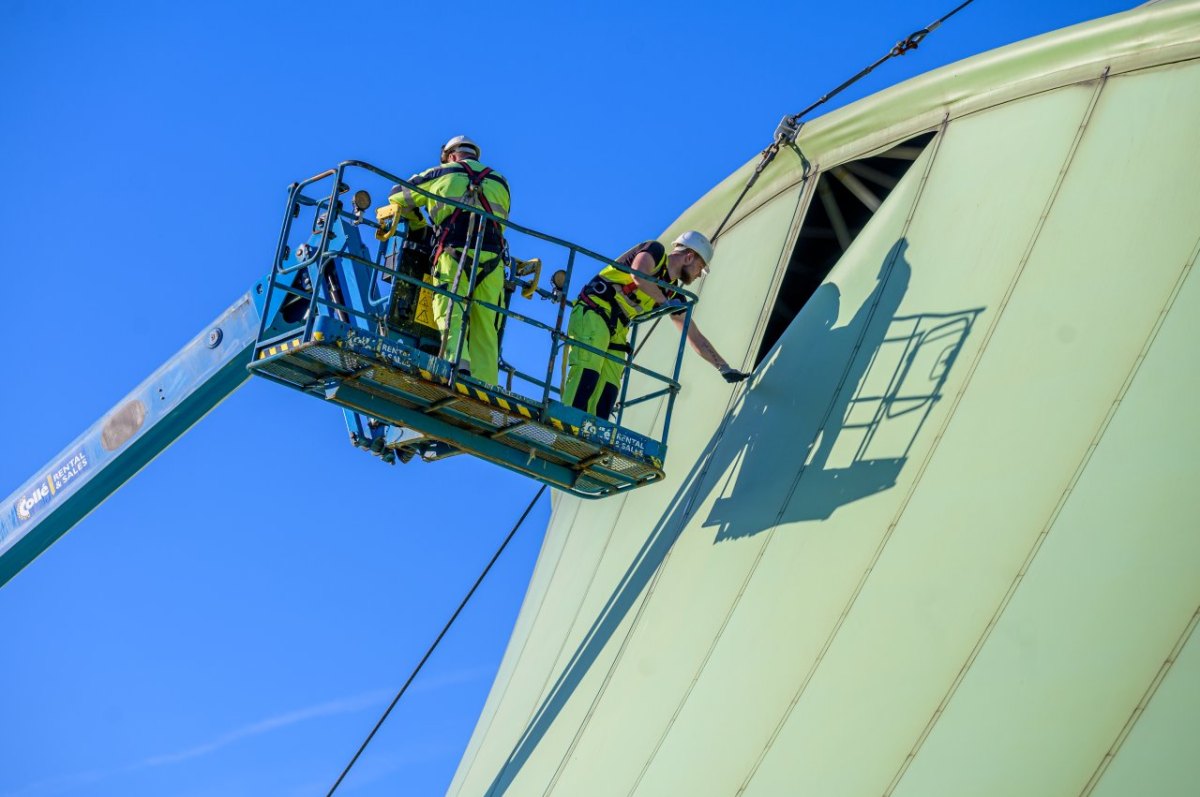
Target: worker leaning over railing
607,306
463,178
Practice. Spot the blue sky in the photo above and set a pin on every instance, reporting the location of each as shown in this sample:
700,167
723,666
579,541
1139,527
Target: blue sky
235,618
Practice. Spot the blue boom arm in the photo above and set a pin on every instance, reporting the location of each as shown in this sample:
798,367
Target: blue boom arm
201,375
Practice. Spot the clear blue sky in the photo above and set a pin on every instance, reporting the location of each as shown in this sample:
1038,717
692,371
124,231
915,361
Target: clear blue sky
233,621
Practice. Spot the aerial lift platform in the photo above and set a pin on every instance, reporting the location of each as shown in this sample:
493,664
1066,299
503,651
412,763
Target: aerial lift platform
355,329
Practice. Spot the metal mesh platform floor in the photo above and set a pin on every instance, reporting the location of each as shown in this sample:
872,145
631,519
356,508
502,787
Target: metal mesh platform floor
492,424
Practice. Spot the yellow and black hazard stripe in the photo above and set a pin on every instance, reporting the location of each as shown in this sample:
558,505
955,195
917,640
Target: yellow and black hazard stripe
505,404
509,406
280,348
494,401
563,427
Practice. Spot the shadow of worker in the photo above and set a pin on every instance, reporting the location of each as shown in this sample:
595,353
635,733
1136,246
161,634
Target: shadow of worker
776,450
785,394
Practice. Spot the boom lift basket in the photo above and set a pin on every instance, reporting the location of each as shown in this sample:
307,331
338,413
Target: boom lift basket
356,330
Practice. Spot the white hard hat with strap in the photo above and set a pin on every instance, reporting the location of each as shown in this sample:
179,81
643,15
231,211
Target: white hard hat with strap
459,143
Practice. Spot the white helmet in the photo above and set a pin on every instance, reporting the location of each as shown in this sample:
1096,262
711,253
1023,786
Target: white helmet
698,243
459,143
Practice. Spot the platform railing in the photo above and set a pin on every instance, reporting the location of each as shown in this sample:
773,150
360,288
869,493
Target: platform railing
323,256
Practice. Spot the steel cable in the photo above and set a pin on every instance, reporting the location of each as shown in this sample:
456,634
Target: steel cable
432,647
790,126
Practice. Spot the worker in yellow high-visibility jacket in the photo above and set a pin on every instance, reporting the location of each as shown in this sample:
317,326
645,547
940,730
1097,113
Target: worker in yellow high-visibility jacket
463,178
607,306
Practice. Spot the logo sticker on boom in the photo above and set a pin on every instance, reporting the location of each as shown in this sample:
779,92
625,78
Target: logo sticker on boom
61,475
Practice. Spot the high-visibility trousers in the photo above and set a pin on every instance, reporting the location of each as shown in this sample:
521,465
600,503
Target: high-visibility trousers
593,381
481,353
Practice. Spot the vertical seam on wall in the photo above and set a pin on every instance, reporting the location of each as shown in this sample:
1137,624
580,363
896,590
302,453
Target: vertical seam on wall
1007,598
935,145
1155,682
587,591
546,688
524,645
691,492
1159,677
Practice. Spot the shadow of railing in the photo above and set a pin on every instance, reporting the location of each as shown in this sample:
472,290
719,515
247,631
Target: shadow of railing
836,421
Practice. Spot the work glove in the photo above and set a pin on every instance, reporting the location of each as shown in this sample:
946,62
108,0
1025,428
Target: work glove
679,304
732,375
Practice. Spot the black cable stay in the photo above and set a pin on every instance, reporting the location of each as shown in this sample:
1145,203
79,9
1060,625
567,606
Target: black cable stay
786,133
432,647
788,129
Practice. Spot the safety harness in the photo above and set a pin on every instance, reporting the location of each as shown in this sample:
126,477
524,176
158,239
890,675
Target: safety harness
614,315
454,229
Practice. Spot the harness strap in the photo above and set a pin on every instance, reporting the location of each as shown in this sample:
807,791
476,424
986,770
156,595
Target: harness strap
475,183
628,289
483,270
612,316
477,178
